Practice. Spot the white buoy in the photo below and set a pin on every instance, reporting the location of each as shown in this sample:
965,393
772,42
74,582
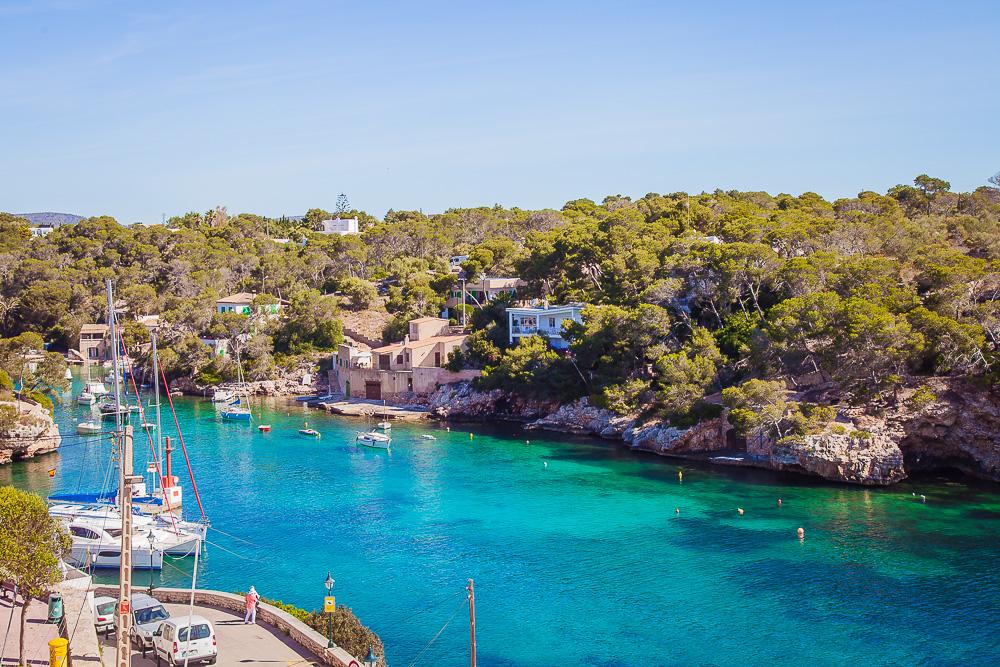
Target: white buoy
923,498
545,464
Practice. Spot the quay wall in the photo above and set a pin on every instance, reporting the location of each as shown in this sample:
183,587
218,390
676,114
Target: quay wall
295,629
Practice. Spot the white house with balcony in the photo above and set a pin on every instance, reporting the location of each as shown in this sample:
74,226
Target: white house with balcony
546,321
342,226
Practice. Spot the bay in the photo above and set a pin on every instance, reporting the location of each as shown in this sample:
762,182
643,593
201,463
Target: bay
583,561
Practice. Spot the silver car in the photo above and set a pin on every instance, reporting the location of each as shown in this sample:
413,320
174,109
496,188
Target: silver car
147,615
104,614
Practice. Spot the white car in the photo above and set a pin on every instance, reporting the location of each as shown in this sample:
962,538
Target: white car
104,614
181,638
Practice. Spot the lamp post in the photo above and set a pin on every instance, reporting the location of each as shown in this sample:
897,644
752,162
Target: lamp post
370,660
329,612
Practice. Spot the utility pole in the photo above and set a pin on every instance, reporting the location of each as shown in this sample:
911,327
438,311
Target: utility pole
126,478
472,622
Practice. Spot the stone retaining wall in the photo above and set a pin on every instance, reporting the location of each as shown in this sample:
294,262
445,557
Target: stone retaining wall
295,629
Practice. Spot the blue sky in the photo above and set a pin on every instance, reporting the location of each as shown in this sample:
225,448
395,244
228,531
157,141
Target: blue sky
137,109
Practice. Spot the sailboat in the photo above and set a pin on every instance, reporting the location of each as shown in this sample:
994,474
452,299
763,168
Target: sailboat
373,439
235,410
384,424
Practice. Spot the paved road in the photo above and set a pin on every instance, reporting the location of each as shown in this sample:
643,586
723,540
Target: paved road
238,644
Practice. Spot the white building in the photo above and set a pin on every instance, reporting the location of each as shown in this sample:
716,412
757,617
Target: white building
546,321
41,230
342,226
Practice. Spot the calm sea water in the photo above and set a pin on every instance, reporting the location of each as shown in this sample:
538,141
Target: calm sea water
582,562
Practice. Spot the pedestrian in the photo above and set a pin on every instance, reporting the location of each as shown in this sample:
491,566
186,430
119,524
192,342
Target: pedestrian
252,600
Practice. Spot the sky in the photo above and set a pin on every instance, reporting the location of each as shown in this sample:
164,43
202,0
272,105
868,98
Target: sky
139,110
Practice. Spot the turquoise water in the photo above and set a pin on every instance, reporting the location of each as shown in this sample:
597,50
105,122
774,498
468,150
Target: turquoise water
582,562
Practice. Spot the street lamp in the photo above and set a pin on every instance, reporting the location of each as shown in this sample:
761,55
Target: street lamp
370,660
329,614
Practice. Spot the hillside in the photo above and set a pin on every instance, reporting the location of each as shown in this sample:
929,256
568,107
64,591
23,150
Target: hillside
51,219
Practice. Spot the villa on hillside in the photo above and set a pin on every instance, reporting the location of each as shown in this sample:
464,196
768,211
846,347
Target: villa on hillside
545,320
481,292
414,365
342,226
95,343
242,302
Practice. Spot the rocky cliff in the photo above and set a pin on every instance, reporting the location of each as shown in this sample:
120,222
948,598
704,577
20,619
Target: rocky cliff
871,458
35,433
460,402
959,429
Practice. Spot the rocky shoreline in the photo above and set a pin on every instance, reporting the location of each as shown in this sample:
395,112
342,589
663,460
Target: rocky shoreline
36,433
959,429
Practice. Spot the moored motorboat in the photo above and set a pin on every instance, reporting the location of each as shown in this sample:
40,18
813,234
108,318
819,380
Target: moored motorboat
99,547
264,428
86,398
89,427
373,439
312,433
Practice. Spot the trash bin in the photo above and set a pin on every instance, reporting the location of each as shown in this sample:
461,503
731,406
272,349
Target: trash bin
55,608
58,649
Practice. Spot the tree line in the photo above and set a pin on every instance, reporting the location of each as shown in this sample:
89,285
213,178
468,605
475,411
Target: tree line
688,294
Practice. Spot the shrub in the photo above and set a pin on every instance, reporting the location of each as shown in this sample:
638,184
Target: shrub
921,398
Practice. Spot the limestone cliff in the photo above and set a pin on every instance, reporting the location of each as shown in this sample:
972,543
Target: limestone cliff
872,458
35,433
460,402
959,429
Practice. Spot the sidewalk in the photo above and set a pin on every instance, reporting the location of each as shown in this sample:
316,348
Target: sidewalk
37,632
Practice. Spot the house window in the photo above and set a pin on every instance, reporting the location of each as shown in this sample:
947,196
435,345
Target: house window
399,359
437,359
93,353
552,323
409,384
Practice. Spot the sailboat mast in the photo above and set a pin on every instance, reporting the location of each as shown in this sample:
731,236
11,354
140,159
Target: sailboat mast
123,436
113,327
472,623
156,393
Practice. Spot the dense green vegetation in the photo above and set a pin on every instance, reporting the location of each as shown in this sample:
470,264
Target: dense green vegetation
688,294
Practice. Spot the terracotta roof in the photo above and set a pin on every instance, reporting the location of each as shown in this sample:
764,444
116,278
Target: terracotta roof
239,297
421,320
412,345
94,328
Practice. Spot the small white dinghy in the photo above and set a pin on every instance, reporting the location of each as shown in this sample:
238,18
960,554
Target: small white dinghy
427,436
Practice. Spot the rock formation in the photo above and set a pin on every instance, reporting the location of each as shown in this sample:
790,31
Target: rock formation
959,429
35,433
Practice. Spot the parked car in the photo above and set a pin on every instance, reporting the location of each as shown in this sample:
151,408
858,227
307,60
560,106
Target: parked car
104,614
147,614
190,638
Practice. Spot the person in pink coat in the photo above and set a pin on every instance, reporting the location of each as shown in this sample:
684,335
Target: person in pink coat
252,600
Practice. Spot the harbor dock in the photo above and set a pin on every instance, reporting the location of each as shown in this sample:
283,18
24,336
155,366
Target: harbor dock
357,407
